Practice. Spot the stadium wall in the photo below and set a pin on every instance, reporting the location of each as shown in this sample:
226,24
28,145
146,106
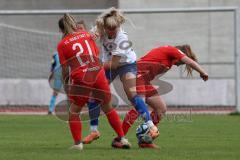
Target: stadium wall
196,93
214,92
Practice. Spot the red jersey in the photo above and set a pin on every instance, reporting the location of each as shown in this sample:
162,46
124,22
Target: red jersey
166,55
79,51
159,60
154,63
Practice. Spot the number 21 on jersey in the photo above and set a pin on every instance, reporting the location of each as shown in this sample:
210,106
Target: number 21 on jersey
79,47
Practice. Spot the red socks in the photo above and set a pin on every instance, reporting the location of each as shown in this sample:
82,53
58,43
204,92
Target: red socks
75,127
129,119
115,122
155,118
120,128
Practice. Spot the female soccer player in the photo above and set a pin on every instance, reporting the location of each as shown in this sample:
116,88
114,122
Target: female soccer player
78,51
56,73
120,60
93,107
156,62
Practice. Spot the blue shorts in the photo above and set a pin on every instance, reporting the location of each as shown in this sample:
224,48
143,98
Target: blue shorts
57,79
57,84
122,70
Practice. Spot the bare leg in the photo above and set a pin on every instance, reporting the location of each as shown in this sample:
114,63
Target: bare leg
129,85
159,107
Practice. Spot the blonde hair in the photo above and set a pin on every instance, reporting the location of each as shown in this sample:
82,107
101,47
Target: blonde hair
112,18
82,22
67,24
186,49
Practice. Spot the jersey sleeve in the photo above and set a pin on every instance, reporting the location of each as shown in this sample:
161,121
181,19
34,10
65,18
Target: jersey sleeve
175,53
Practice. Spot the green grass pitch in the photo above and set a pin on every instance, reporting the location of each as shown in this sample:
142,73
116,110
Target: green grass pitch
47,138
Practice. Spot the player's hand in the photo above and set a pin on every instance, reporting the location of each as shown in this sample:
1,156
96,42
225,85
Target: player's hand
94,36
204,76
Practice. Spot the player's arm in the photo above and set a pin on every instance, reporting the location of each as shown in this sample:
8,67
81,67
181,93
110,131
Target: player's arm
64,65
196,67
94,33
113,63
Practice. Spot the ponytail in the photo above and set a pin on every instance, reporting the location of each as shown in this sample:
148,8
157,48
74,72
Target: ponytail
67,24
186,49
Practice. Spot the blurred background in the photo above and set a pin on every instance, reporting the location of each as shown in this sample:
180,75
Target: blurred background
28,41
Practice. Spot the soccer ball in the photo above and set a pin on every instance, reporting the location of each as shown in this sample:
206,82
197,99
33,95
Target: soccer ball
142,134
154,132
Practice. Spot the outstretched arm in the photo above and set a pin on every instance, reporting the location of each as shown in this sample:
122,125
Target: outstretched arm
196,67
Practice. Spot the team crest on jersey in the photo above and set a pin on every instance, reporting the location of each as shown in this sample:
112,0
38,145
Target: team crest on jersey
110,46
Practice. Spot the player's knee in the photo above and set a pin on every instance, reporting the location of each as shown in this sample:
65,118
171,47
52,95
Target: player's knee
163,109
107,98
106,107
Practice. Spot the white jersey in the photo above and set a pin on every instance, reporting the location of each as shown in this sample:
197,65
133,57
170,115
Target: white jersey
119,46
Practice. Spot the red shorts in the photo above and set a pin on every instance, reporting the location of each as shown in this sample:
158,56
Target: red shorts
144,87
98,89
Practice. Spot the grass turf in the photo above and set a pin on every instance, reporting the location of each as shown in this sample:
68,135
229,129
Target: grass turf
45,137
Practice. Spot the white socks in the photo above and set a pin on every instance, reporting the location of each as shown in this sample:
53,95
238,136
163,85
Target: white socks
150,123
94,128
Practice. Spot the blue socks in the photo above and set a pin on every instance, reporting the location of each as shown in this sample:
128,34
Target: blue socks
52,103
141,107
94,112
